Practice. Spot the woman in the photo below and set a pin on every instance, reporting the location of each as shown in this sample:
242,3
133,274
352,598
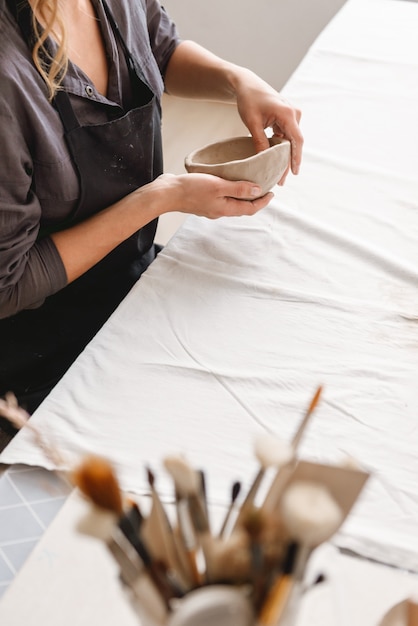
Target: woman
81,183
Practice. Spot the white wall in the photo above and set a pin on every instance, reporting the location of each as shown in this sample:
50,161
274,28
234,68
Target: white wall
268,36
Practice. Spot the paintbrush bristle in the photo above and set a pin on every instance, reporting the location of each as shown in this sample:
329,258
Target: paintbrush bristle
236,488
150,477
310,513
186,479
315,399
96,479
254,522
230,559
272,451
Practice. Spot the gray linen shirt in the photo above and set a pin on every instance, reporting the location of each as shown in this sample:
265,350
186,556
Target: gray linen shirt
38,181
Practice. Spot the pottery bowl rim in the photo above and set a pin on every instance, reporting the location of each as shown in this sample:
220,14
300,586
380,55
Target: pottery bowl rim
194,159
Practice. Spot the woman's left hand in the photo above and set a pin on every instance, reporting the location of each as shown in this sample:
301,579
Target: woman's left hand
195,72
260,107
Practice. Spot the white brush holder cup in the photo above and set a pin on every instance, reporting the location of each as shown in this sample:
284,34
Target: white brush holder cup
215,605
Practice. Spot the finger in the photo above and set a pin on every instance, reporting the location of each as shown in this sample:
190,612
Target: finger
238,207
296,145
293,133
284,176
260,139
263,201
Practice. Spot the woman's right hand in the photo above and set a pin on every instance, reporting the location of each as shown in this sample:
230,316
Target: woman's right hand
209,196
85,244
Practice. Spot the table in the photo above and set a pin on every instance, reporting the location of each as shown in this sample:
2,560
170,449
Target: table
71,579
232,328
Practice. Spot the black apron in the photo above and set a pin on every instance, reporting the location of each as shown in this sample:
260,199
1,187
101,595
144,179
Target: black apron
112,159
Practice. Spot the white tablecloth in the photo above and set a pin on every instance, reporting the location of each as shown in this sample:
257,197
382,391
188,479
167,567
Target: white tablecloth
232,328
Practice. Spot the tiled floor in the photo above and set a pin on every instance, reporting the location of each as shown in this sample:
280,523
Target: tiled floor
30,498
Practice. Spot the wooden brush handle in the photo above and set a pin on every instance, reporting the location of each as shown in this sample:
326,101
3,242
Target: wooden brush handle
412,613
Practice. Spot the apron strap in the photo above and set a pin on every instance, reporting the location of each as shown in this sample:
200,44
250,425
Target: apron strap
22,12
63,105
142,91
131,63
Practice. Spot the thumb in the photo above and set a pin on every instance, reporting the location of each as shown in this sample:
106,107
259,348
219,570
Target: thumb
243,190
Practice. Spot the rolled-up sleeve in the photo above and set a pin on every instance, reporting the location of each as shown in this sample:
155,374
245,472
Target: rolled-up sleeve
30,270
162,32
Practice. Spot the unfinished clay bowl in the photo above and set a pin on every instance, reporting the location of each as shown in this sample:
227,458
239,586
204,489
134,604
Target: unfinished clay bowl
236,159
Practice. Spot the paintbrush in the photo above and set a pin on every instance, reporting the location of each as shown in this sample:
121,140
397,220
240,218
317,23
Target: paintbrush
204,495
254,523
97,480
191,516
130,524
230,559
134,575
308,414
158,535
185,482
270,452
130,564
279,593
311,516
158,511
188,484
236,488
279,482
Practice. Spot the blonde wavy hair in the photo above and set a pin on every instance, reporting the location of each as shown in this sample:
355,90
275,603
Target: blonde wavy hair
51,68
